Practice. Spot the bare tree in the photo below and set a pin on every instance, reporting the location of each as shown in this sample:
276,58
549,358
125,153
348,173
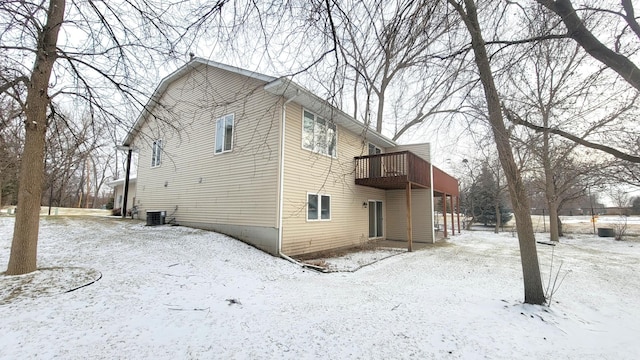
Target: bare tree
621,199
98,68
556,86
615,53
534,293
11,139
394,52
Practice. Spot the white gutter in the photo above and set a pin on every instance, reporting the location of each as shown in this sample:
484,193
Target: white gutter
281,200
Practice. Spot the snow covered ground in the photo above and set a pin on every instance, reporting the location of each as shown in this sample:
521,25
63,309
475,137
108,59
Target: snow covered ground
178,293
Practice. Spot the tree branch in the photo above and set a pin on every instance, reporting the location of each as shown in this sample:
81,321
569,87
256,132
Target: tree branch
9,84
583,36
514,118
630,17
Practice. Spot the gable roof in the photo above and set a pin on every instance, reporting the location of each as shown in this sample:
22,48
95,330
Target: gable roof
277,86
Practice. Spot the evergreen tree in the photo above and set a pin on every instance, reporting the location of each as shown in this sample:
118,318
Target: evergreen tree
484,196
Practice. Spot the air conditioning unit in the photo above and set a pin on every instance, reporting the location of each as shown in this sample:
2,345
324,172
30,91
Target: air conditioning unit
155,218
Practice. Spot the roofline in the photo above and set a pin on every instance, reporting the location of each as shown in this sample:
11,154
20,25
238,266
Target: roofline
120,181
167,80
284,87
235,69
277,86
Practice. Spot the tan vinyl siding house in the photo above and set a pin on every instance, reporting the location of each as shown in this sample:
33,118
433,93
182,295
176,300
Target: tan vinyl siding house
234,192
252,156
309,172
118,193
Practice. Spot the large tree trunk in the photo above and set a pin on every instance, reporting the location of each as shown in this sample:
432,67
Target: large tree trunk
560,232
554,227
25,233
496,204
533,291
550,186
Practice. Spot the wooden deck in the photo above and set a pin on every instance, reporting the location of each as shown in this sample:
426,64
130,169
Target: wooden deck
406,170
393,171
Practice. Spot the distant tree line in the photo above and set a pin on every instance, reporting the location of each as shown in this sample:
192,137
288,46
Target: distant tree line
78,161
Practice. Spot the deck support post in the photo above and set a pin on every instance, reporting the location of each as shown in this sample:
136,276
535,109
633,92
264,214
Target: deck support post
409,228
444,213
453,223
458,212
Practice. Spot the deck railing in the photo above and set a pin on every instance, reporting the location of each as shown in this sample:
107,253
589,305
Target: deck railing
392,170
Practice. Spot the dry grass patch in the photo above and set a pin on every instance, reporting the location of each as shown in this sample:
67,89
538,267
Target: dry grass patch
45,282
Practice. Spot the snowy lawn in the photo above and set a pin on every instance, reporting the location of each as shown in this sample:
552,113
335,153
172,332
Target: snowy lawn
178,293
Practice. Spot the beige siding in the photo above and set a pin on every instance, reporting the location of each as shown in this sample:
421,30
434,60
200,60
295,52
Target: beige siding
421,220
421,203
308,172
422,150
192,184
118,192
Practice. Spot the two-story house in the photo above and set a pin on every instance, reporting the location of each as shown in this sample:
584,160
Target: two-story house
266,161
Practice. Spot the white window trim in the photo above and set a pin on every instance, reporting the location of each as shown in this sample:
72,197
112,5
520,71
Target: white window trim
375,146
215,139
302,135
157,162
319,195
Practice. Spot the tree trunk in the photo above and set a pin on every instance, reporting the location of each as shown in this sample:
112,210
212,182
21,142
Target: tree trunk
498,217
497,203
549,183
379,114
23,255
533,291
560,232
554,227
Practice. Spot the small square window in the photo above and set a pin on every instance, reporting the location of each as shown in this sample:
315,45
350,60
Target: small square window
318,207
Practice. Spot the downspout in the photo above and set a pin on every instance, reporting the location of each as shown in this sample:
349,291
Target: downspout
281,200
126,184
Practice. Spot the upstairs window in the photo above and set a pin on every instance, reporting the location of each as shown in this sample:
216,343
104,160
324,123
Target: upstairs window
318,134
224,134
156,153
318,207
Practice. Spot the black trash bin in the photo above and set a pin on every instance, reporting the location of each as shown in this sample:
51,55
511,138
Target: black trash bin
606,232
